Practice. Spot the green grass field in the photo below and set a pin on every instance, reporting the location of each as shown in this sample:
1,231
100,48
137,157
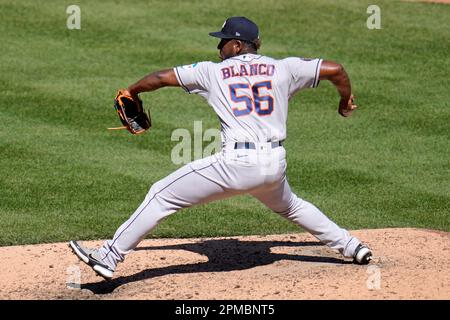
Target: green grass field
64,176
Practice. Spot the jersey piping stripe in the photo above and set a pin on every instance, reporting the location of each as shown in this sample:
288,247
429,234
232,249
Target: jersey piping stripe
137,216
255,58
316,78
180,81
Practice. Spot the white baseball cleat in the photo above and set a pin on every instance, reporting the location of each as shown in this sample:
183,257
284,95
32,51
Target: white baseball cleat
92,258
362,254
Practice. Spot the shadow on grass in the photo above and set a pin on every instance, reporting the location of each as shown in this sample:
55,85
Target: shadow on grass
223,255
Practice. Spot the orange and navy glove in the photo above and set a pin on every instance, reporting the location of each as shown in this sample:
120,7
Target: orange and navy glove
131,113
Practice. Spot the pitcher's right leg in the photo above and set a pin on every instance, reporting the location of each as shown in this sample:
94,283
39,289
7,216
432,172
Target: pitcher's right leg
283,201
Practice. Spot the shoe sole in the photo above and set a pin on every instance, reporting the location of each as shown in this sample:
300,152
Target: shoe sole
363,256
101,271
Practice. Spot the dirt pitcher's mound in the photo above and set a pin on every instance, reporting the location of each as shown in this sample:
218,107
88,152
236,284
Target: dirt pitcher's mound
408,264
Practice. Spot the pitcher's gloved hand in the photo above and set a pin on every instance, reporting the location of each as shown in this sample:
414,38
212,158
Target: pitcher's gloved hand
131,112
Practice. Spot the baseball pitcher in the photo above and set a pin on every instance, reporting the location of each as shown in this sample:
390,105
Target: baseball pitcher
249,93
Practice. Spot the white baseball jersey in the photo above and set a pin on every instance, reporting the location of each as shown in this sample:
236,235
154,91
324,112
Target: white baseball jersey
250,92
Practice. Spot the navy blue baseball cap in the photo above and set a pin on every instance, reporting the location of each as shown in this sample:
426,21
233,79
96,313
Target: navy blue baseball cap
238,28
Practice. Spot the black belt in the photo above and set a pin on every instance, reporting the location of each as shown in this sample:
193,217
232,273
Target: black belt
251,145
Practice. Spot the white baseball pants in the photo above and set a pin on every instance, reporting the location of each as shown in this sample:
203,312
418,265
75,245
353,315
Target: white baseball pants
261,173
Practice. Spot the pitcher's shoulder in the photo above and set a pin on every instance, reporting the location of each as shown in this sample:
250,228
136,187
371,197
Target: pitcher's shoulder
196,65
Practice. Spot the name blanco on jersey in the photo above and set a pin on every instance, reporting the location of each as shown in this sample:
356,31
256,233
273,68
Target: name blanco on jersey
248,70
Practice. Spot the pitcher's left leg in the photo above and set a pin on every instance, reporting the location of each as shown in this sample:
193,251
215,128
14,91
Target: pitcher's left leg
183,188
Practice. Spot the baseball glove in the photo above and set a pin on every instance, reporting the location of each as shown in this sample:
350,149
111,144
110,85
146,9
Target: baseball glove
131,113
